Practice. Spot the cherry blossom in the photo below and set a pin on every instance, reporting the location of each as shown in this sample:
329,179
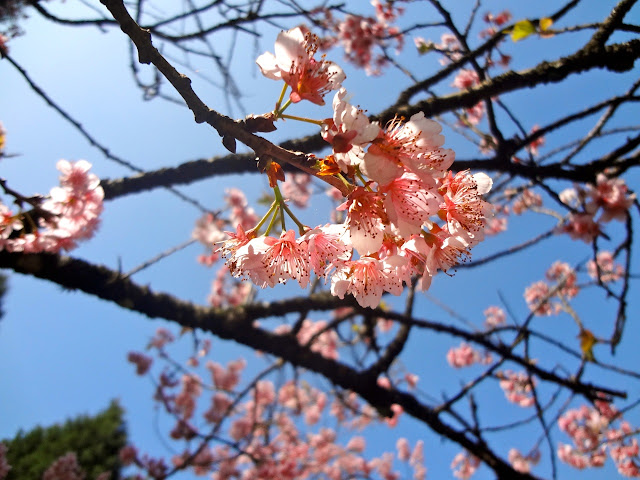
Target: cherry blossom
494,317
522,463
360,35
606,269
294,62
613,196
296,189
70,214
128,455
581,226
464,465
534,145
526,200
466,79
402,145
328,245
64,468
465,356
348,131
592,433
565,277
465,210
366,279
409,203
225,291
537,296
141,361
517,387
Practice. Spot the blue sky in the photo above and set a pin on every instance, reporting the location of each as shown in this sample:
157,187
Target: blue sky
63,353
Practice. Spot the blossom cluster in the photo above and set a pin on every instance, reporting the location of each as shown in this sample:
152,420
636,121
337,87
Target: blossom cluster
610,196
406,214
69,214
546,298
464,465
465,355
263,431
592,434
517,387
523,463
360,35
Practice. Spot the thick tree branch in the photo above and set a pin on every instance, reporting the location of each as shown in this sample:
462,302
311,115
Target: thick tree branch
618,57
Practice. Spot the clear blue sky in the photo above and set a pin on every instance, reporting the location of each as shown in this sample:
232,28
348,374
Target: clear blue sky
63,353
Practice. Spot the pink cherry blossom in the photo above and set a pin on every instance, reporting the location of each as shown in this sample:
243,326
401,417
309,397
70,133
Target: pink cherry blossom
565,276
464,465
226,379
296,189
70,213
465,210
208,231
449,47
360,35
399,145
286,258
327,245
466,79
612,195
465,356
537,296
64,468
517,387
161,338
494,317
128,455
404,450
366,279
591,431
581,226
321,340
526,200
409,202
411,379
294,62
607,270
366,219
220,403
475,113
534,145
356,444
141,361
522,463
444,250
348,131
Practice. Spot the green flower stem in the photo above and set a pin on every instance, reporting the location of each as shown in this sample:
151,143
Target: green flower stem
344,180
285,208
273,206
301,226
284,107
273,220
279,102
364,182
303,119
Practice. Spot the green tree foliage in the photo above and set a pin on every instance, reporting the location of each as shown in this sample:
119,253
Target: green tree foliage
95,440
